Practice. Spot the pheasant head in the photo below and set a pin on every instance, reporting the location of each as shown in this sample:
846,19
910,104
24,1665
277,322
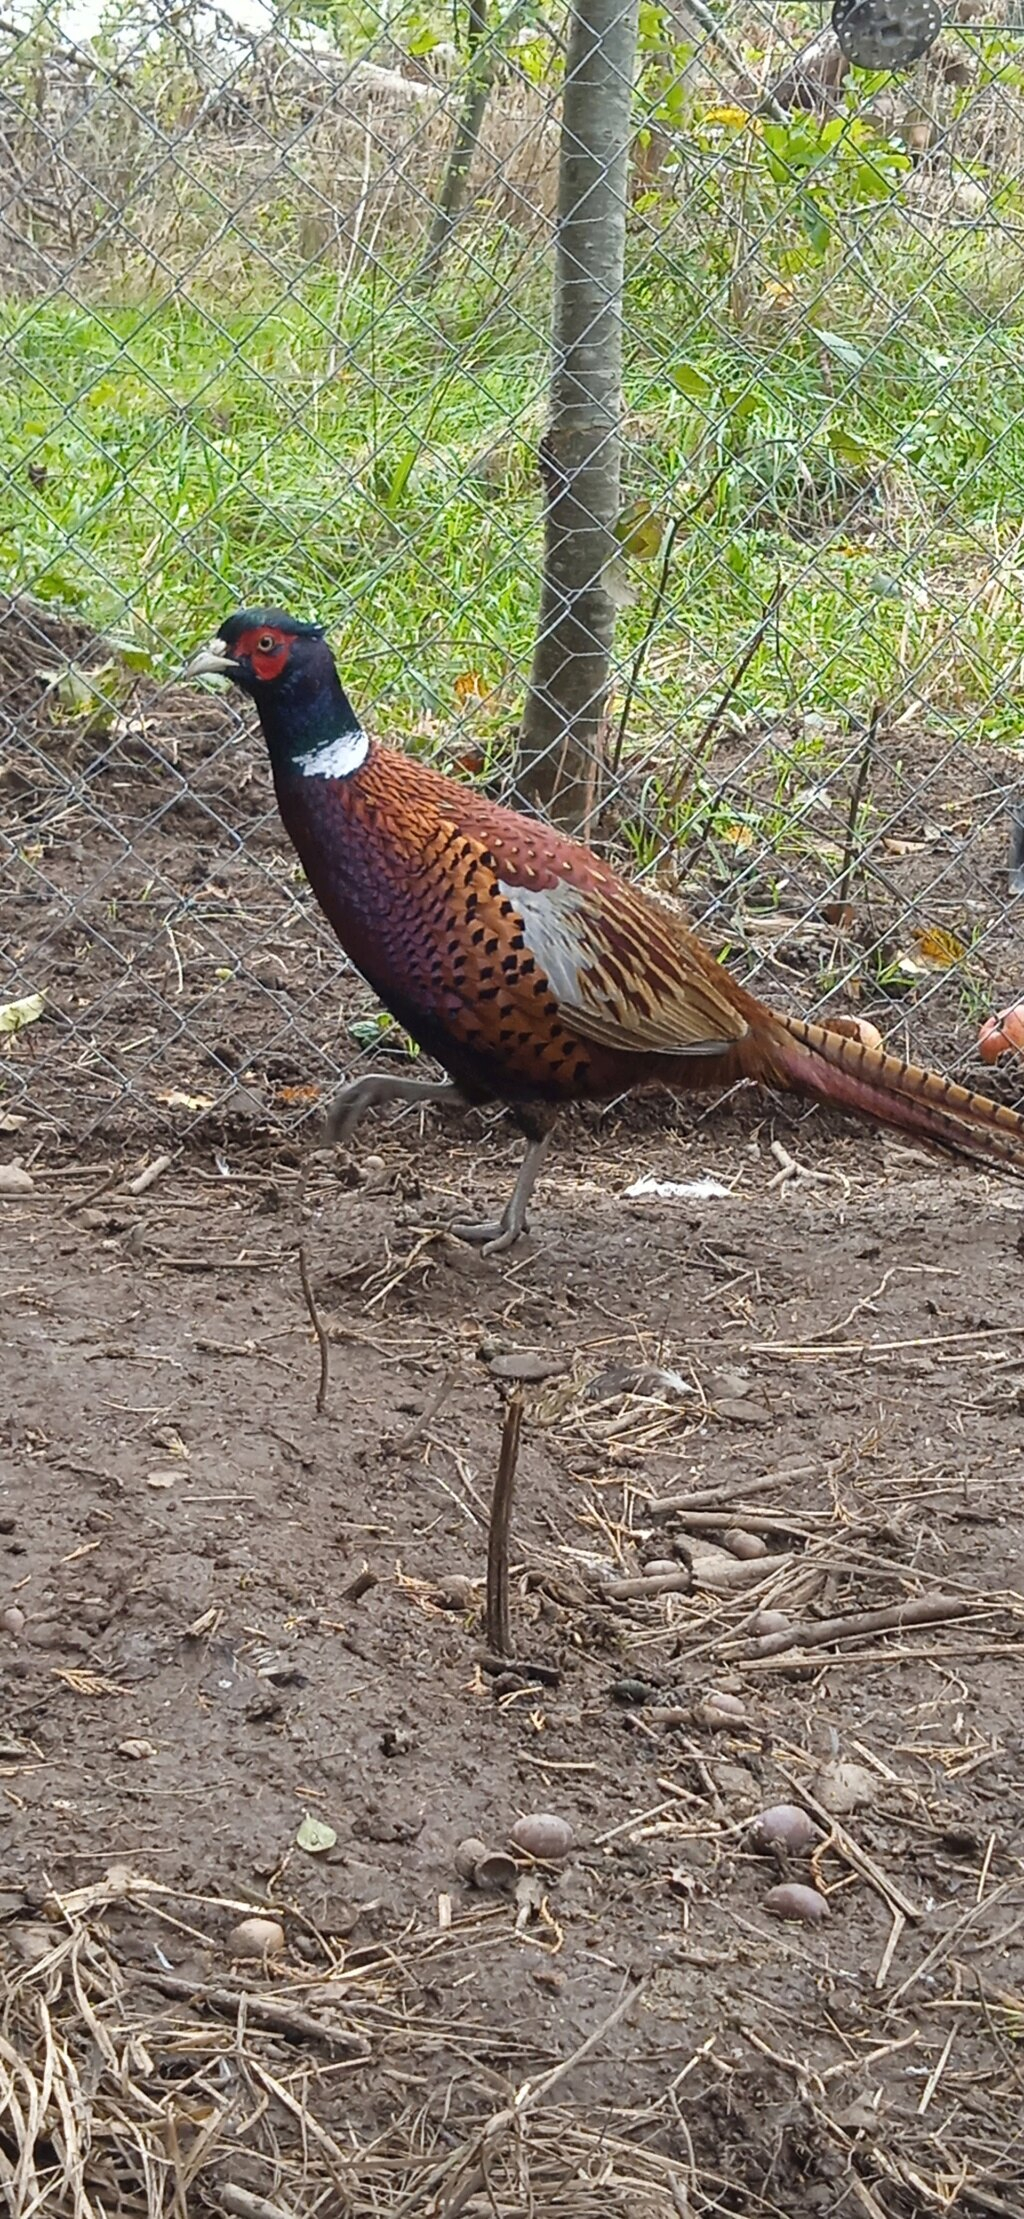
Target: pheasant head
287,669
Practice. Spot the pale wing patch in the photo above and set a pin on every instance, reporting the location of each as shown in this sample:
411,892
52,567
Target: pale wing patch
647,999
552,923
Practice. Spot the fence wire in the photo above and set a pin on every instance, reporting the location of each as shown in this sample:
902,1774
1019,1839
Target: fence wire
264,342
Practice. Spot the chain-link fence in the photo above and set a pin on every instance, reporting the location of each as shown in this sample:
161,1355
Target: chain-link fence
276,327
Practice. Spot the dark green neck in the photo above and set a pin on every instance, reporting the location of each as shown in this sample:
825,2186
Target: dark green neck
306,708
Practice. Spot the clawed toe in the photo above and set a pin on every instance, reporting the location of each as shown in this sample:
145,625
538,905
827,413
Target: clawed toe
492,1240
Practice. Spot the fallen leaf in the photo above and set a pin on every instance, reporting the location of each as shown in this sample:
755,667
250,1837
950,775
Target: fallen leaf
941,949
161,1479
176,1100
900,848
295,1094
10,1122
469,686
14,1015
315,1836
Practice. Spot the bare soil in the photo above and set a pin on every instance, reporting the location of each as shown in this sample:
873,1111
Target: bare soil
232,1615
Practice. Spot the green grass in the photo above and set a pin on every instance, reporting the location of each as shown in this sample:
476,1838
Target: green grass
371,459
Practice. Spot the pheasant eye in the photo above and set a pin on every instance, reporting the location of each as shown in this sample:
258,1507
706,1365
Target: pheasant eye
266,643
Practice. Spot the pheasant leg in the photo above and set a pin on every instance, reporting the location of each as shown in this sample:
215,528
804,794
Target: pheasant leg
495,1238
348,1106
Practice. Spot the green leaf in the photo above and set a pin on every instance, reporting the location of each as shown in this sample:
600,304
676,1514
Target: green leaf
815,223
640,531
688,379
743,408
848,450
315,1836
851,357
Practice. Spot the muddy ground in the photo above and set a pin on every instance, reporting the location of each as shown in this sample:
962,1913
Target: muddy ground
228,1615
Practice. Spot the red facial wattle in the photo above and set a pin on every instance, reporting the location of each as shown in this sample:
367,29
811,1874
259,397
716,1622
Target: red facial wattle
266,651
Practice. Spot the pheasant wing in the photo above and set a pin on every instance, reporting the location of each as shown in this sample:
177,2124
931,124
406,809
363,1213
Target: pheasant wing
626,973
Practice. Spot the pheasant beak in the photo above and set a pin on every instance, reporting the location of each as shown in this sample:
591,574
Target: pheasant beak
212,661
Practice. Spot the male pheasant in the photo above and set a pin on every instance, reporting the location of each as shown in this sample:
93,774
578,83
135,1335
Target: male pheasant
517,958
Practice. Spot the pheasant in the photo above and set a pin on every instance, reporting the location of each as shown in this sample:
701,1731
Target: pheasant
516,957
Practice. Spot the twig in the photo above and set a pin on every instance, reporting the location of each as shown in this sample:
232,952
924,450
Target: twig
771,609
147,1178
415,1431
316,1322
278,2017
703,742
706,1498
936,2073
244,2205
945,1943
889,1952
856,798
813,1633
498,1626
640,657
749,1521
480,66
715,36
647,1583
526,2099
92,1194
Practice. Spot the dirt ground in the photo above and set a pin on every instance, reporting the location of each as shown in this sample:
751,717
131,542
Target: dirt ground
228,1616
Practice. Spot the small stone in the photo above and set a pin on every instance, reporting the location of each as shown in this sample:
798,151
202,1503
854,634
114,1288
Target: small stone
543,1835
457,1592
631,1691
526,1366
257,1938
139,1750
734,1783
785,1826
468,1855
793,1901
13,1180
745,1546
13,1620
844,1787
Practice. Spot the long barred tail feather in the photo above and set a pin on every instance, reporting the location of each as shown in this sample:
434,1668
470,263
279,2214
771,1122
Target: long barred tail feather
832,1068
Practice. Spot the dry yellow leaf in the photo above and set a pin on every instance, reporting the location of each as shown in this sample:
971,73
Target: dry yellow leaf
939,948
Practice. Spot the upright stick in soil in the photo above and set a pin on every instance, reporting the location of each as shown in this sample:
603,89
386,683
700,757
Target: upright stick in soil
499,1632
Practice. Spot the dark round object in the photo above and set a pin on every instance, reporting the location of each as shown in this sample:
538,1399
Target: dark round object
885,34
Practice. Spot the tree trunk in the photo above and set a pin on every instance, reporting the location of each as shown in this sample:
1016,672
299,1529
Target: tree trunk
479,72
560,746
